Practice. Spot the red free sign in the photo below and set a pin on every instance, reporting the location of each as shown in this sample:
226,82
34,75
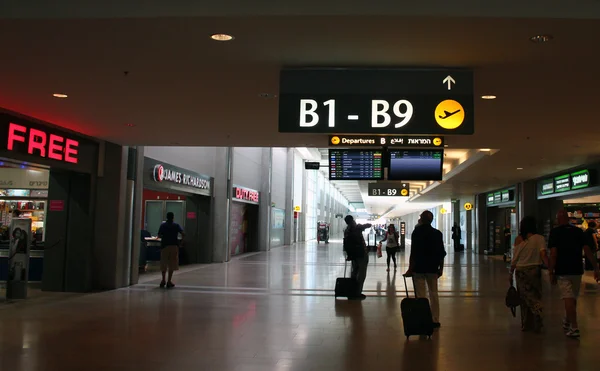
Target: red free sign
40,143
246,194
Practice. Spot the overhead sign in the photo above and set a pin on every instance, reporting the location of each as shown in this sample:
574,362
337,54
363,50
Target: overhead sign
245,194
386,141
389,190
297,209
443,211
41,143
376,101
573,181
165,174
312,166
468,206
504,196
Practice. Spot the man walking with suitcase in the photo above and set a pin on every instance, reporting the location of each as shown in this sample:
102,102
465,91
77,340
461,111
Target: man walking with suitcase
357,251
427,262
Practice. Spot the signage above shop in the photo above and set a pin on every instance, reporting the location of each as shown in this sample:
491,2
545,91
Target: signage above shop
245,194
164,174
385,141
41,143
499,198
312,165
562,183
376,101
389,190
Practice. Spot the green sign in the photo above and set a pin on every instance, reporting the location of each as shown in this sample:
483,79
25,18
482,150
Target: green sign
547,186
565,182
580,179
500,197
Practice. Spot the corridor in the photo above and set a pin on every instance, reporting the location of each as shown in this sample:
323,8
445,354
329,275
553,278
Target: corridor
276,311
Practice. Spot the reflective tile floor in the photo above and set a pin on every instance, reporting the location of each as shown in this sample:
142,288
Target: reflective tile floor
275,311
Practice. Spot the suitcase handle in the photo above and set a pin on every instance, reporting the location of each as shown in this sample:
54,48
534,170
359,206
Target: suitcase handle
406,287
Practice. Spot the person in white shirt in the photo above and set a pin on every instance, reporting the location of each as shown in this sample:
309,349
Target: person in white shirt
530,253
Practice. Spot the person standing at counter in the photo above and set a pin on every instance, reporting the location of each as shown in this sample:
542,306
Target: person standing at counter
169,254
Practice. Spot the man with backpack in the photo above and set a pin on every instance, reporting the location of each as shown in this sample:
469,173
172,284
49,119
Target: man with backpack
357,252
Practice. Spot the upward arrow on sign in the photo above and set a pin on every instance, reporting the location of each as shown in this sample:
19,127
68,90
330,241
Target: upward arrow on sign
449,80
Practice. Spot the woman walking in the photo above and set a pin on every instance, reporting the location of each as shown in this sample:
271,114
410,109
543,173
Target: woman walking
391,246
530,251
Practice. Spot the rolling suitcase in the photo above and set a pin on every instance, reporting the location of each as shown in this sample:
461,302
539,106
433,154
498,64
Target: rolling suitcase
416,315
345,286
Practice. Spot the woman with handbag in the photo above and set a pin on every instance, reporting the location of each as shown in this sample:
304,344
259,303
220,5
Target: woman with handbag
530,252
392,239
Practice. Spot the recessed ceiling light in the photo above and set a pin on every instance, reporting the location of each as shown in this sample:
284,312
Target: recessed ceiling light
488,97
485,150
59,95
221,37
540,39
446,146
519,168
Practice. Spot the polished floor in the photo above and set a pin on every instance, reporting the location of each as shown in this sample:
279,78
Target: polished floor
275,311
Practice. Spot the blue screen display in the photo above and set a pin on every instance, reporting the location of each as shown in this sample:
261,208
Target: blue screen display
416,165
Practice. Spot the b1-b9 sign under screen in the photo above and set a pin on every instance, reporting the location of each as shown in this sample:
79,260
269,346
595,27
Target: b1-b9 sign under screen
416,165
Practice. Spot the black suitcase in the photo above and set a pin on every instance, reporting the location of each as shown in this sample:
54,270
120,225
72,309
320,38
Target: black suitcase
345,286
416,315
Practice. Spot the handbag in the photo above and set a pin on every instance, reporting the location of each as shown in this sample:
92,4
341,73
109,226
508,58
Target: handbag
512,300
379,253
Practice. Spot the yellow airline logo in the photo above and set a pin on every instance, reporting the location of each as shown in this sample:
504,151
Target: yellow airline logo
335,141
437,142
404,192
449,114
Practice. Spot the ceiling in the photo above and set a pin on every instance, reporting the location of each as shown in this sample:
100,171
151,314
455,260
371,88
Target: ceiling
162,81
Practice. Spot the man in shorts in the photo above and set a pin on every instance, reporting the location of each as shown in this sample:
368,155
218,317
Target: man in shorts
169,254
567,244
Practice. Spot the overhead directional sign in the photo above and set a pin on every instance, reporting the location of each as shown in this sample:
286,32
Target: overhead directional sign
376,101
389,190
386,141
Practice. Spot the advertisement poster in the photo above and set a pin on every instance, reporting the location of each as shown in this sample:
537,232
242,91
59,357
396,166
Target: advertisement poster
277,218
237,229
18,261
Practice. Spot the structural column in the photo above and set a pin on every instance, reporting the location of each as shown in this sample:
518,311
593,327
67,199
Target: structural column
221,203
289,199
264,218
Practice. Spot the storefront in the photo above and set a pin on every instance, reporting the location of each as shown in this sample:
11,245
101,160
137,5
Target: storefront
188,195
576,191
501,220
47,191
243,222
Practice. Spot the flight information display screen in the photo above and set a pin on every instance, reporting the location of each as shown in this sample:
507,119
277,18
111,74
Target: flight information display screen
416,165
355,164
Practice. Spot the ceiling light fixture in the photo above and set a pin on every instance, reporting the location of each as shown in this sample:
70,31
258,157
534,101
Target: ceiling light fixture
130,125
485,150
519,168
488,97
59,95
221,37
540,39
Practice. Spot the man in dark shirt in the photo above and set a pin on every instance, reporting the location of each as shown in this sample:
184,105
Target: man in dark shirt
169,254
427,262
357,251
567,244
